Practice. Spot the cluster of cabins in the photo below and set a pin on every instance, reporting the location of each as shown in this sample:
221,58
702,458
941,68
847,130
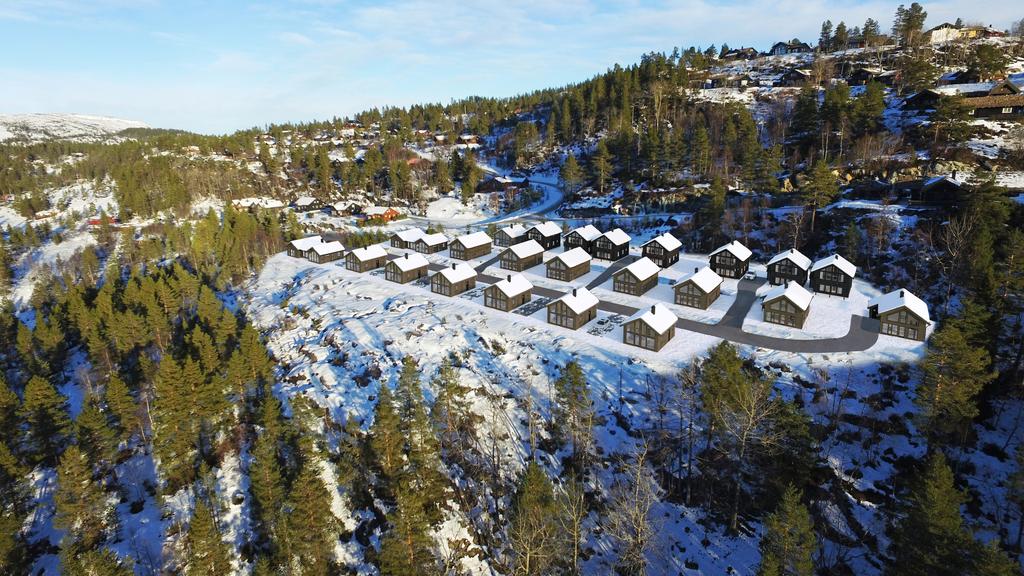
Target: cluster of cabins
786,303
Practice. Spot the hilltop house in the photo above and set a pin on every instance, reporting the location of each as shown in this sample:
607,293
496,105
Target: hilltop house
901,314
650,328
519,257
407,268
307,204
663,250
612,245
793,78
470,246
997,100
582,237
637,278
298,248
833,275
573,310
366,259
508,185
788,266
787,304
698,289
739,54
508,294
453,281
406,238
547,234
431,243
731,260
569,265
794,46
513,234
326,252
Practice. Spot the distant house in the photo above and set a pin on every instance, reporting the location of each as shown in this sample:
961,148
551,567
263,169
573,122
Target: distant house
431,243
366,259
326,252
582,237
513,234
406,238
470,246
453,281
637,278
519,257
381,213
794,78
788,266
739,54
901,314
298,248
833,276
788,305
947,32
573,310
508,294
307,204
794,46
504,185
698,289
569,265
862,75
612,245
1001,100
942,190
406,268
731,260
547,234
650,328
663,250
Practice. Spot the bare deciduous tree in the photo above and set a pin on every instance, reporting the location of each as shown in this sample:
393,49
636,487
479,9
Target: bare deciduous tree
629,518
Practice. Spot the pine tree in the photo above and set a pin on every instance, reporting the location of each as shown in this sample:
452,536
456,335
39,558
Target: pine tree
99,562
571,176
601,166
122,406
385,435
45,414
700,150
309,525
82,508
266,484
406,547
575,411
533,526
175,434
954,374
95,435
450,413
788,544
820,190
805,112
206,551
825,38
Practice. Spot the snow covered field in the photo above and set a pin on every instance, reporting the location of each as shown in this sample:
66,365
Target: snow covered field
80,127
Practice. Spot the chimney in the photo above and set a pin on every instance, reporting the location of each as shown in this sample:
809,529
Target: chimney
696,269
652,309
508,278
406,255
453,265
901,293
573,291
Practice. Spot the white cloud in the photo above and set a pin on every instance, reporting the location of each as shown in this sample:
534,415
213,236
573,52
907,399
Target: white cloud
296,38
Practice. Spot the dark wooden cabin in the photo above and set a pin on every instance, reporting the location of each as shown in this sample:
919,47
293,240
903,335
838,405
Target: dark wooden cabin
547,234
901,314
406,268
366,259
650,329
731,260
573,310
569,265
637,278
788,266
833,276
663,250
508,294
787,305
612,245
698,289
454,280
470,246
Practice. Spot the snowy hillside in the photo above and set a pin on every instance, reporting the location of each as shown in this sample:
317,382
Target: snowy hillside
78,127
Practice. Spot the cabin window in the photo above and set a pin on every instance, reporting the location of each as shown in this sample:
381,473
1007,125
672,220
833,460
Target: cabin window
559,316
727,259
640,334
493,300
655,250
900,330
687,298
785,268
780,318
1007,110
831,289
831,275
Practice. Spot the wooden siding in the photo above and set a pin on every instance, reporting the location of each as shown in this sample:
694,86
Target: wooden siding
314,257
557,270
495,298
900,322
440,285
395,274
782,311
639,333
728,266
624,281
509,261
786,271
548,242
459,252
353,264
689,294
561,315
575,240
657,253
832,281
605,250
504,240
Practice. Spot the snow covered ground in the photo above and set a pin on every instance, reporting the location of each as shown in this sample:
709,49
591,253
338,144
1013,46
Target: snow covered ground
829,316
79,127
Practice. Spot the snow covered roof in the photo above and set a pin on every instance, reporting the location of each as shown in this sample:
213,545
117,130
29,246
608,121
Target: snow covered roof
305,201
838,261
261,202
579,300
376,210
548,228
410,262
514,231
588,232
736,249
617,237
900,298
526,249
303,244
514,285
434,239
658,317
667,241
458,272
793,292
574,257
328,248
643,268
705,278
473,240
369,253
794,256
411,235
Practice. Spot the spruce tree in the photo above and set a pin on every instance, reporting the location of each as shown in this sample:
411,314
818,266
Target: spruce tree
788,544
81,507
309,529
601,166
450,413
95,435
820,190
386,436
266,484
44,412
570,175
98,562
954,374
206,551
575,411
122,406
406,547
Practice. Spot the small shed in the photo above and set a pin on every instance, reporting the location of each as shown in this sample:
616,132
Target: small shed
519,257
574,309
663,250
407,268
612,245
788,305
470,246
731,260
454,280
582,237
508,294
833,276
901,314
299,247
569,265
698,289
788,266
366,259
637,278
547,234
326,252
650,328
510,235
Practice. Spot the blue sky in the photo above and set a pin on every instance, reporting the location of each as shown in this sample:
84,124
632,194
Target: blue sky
219,65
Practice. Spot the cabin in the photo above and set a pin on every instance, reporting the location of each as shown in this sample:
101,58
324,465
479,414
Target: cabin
637,278
650,328
366,259
739,54
519,257
513,234
326,252
612,245
470,246
794,78
431,243
794,46
901,314
307,204
787,305
582,237
454,280
508,294
573,310
663,250
405,239
699,289
788,266
547,234
731,260
406,268
833,276
507,185
569,265
1002,100
381,213
298,248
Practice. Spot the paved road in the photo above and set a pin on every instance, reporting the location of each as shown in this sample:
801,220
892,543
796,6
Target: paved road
610,270
862,335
